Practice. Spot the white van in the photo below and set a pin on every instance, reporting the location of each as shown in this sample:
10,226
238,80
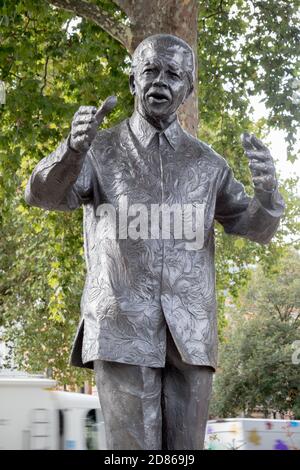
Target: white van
34,416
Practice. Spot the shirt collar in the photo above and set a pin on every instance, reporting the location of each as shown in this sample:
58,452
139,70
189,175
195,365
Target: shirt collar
144,131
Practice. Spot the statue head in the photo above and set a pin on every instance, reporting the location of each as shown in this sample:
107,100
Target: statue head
162,75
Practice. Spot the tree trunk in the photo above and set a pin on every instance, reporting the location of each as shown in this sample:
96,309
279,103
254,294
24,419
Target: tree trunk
88,388
178,17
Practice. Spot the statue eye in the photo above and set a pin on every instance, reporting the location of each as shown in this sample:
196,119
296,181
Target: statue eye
173,74
148,71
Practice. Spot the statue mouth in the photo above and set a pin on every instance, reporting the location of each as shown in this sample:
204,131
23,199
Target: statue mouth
158,97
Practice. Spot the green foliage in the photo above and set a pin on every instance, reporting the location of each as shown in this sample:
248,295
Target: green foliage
244,49
48,73
249,48
256,367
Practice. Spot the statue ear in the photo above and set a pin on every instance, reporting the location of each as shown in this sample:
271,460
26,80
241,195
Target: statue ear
189,91
132,84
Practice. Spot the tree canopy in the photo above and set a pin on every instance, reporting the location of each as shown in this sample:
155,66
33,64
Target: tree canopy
259,368
51,63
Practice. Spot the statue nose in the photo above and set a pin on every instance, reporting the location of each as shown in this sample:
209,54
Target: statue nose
160,79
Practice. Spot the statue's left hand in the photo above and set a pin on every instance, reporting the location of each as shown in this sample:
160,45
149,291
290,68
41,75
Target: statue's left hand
260,162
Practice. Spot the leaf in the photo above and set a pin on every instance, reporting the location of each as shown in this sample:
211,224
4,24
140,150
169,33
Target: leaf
239,243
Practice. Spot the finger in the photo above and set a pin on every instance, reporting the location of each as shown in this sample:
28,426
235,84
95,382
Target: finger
266,181
262,167
84,116
83,129
83,119
258,181
84,125
246,141
263,173
106,108
256,171
256,155
86,110
257,143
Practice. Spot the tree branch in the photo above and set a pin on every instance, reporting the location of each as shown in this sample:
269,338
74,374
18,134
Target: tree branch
45,75
279,312
126,6
92,12
297,317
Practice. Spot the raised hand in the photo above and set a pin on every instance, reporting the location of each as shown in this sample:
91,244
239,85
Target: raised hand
86,122
260,162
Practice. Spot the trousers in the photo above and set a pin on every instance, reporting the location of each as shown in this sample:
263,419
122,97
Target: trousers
147,408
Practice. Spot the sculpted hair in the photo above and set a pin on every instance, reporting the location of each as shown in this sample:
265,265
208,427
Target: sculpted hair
164,42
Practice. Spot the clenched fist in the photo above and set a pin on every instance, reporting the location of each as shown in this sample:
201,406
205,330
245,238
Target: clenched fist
86,122
261,163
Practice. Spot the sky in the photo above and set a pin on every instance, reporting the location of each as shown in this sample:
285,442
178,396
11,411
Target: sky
277,145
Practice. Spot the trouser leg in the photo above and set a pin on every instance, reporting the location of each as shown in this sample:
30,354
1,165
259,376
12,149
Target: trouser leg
186,391
130,398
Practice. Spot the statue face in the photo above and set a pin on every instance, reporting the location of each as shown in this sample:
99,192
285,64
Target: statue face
160,82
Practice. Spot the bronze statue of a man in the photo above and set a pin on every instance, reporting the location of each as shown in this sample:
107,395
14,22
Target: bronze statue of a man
148,325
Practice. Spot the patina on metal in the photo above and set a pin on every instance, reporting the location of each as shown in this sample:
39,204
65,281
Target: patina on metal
148,323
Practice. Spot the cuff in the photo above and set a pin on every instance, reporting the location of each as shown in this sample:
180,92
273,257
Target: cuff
271,201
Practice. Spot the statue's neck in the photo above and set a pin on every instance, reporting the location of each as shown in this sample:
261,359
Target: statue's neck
158,123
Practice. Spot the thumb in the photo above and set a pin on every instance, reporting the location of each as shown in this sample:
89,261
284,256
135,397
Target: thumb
246,141
106,108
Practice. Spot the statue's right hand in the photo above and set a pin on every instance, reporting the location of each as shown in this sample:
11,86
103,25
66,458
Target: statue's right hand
86,122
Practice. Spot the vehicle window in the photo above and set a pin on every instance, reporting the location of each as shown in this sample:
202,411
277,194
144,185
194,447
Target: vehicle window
91,430
61,429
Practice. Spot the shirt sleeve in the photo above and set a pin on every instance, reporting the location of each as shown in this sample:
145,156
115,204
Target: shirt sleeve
61,181
255,218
